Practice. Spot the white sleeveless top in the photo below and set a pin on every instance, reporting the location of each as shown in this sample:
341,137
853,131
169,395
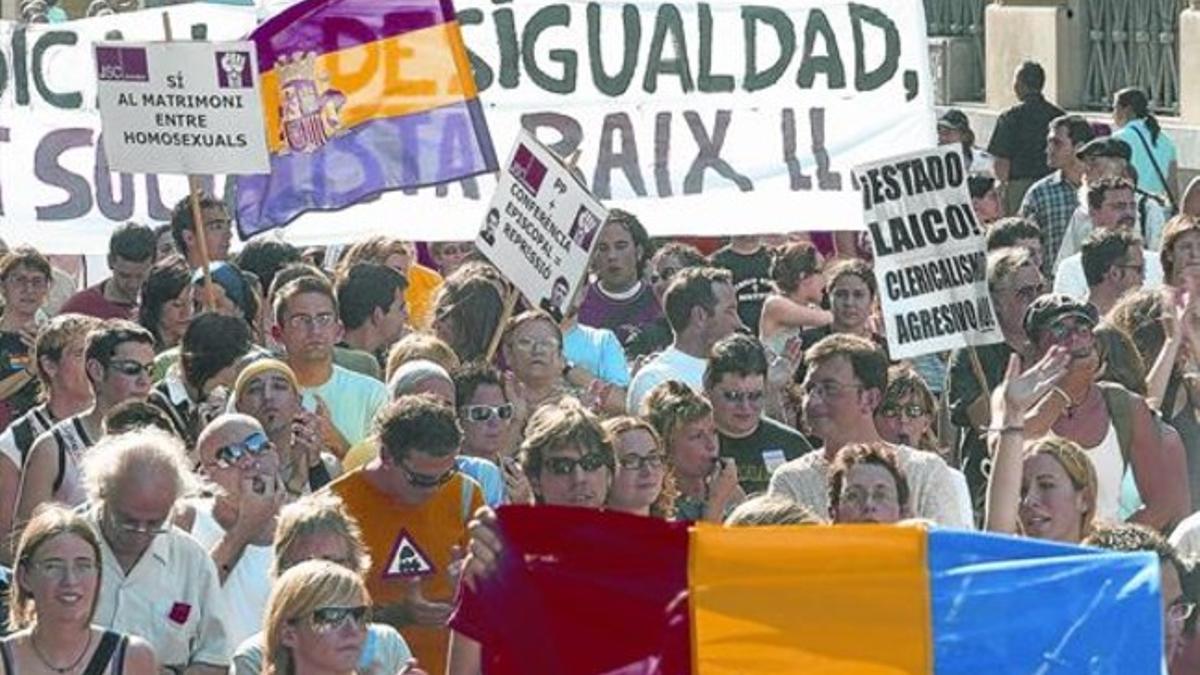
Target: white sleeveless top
1110,469
247,587
72,439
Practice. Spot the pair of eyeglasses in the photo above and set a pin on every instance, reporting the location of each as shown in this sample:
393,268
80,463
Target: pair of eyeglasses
330,619
1028,293
307,321
632,462
254,445
483,413
150,528
131,368
57,569
912,412
421,480
564,466
528,345
1180,611
34,283
455,249
861,498
752,397
1061,330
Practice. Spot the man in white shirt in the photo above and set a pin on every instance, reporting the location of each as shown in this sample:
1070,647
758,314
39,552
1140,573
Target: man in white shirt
701,306
156,582
1111,206
846,378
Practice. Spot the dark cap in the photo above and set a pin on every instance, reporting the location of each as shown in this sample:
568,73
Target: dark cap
979,185
1106,146
954,119
1049,308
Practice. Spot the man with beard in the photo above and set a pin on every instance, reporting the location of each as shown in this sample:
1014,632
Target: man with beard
1114,426
1112,206
267,391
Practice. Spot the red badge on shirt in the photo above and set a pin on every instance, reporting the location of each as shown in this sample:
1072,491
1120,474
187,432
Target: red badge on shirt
180,612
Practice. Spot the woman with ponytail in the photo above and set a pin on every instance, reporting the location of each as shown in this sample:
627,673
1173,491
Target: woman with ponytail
1154,155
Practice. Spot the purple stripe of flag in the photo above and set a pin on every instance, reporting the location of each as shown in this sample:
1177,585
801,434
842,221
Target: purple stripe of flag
323,26
409,151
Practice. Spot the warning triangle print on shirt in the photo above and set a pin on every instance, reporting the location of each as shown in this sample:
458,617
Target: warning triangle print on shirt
407,559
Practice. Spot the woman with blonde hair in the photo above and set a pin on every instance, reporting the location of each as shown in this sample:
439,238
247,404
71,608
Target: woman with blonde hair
1046,488
318,527
643,483
316,620
53,601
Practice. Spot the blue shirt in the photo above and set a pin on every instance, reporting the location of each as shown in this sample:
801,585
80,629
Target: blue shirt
487,475
597,351
1163,152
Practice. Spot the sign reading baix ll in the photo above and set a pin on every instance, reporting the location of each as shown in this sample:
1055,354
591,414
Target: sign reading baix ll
181,107
930,253
541,225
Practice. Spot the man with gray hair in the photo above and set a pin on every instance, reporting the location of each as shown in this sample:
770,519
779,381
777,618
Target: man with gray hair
156,581
1014,280
237,525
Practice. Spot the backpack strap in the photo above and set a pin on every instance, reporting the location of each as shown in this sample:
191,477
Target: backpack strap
23,437
100,658
1119,402
61,442
6,656
1157,169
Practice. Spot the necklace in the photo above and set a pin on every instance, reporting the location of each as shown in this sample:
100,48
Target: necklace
46,662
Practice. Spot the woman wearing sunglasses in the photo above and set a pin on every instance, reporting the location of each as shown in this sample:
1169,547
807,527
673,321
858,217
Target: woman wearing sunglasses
316,620
643,484
53,602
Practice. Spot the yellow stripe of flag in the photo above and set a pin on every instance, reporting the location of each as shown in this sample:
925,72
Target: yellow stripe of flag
410,73
807,599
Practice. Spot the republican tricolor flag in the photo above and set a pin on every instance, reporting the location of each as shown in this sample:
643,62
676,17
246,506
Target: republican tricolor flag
581,592
359,97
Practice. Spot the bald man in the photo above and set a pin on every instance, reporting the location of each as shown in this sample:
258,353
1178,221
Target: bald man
237,526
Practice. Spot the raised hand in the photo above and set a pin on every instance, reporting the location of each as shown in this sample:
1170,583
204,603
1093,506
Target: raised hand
1021,390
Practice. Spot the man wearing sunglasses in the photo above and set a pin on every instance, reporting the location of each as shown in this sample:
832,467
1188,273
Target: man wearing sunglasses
1114,264
1014,281
736,384
156,580
1115,426
238,524
413,505
119,361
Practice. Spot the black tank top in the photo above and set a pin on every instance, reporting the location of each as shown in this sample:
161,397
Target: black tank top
111,649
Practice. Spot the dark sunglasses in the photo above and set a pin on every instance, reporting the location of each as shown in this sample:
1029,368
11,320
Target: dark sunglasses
132,368
911,412
563,466
255,444
328,619
483,413
421,480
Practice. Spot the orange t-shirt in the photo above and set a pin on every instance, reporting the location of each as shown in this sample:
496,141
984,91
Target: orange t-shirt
412,542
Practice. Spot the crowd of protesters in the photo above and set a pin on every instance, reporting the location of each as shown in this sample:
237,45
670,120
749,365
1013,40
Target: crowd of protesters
287,463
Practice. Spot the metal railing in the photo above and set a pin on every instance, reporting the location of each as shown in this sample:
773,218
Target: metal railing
1133,43
961,19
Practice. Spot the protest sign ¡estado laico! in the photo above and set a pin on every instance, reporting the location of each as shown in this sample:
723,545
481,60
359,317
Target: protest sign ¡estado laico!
540,226
707,118
181,107
930,254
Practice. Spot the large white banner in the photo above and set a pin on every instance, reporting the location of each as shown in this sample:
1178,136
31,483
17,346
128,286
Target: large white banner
702,118
930,253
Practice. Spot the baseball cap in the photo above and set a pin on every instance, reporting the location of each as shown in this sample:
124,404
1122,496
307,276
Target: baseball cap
1107,146
954,119
1048,308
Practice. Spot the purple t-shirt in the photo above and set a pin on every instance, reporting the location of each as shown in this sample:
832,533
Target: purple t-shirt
623,317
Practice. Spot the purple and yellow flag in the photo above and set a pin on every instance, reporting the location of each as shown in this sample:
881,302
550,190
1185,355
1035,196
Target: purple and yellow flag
359,97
